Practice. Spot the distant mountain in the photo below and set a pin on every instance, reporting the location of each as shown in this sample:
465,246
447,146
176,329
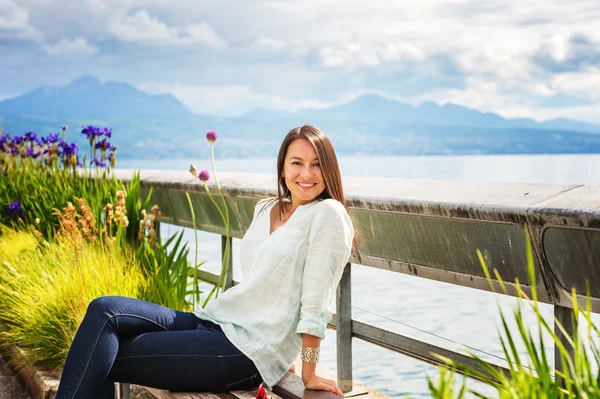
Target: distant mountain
376,108
88,97
150,126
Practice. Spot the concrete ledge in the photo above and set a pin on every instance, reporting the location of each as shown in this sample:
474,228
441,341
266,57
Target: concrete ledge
39,384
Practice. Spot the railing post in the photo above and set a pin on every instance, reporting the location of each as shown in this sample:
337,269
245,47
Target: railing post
124,390
344,330
566,317
229,278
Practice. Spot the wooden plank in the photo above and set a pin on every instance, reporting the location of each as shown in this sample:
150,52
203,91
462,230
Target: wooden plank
164,394
566,317
251,394
414,348
292,387
211,278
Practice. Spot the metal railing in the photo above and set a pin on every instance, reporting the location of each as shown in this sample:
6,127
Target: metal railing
439,226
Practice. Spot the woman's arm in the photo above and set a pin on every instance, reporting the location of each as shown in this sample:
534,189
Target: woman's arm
329,244
309,377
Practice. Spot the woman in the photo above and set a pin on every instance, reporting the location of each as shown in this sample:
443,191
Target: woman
292,259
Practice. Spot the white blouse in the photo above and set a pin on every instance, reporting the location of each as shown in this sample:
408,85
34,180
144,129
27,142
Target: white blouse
290,277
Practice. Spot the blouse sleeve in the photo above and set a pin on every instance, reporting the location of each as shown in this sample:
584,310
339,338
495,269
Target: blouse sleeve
329,246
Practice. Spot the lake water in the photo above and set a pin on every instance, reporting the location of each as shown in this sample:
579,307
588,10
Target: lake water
405,304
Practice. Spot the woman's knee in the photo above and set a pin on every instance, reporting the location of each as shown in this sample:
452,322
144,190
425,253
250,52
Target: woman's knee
104,305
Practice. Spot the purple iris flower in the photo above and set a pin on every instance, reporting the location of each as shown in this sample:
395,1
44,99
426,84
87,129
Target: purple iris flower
14,151
90,132
30,136
14,208
102,145
31,153
98,163
52,138
18,140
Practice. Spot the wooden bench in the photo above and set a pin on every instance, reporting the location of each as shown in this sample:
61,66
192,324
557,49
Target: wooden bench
290,387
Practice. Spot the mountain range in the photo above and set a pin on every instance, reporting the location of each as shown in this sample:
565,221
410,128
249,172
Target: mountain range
150,125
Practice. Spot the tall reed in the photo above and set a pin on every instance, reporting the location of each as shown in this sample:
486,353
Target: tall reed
533,374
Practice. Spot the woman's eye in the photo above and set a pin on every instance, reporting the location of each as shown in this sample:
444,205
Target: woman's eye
317,165
295,163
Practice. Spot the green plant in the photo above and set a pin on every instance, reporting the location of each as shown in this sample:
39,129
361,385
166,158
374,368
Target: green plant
167,270
41,190
45,288
579,375
40,174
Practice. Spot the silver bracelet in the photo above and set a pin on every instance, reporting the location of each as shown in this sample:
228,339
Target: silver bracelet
310,355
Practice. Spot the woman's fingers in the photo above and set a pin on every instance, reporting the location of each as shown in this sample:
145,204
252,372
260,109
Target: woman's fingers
331,386
323,384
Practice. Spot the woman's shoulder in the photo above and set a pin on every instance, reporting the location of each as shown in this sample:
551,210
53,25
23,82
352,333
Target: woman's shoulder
333,214
331,205
331,208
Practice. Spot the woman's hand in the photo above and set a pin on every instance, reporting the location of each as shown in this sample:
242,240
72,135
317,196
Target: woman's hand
292,368
322,384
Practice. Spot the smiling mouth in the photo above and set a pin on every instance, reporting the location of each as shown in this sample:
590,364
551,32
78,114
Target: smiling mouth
309,185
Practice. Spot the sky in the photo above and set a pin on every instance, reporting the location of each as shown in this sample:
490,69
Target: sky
518,58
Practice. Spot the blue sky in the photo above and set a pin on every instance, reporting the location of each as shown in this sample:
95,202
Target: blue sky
517,58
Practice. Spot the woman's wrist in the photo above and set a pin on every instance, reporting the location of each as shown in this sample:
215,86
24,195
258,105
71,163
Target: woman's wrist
306,380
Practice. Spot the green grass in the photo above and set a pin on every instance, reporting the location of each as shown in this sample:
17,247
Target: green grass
45,289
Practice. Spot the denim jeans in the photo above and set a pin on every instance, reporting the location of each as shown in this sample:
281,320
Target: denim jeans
129,340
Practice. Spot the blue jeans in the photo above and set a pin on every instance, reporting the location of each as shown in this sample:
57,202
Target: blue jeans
129,340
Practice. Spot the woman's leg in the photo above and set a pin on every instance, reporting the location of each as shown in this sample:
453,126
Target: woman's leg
107,322
200,360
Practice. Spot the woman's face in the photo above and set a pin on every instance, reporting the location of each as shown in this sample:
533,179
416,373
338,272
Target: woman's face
302,172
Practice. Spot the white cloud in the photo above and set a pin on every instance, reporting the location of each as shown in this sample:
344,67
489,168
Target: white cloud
269,43
14,22
585,83
400,51
78,47
229,100
141,27
355,54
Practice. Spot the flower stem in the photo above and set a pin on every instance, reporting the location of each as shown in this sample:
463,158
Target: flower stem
225,265
195,296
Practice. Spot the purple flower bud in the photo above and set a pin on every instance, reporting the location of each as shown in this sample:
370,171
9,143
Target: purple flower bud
14,208
64,127
211,136
204,176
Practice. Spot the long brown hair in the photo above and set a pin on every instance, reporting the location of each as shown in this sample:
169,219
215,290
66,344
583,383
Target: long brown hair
329,167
